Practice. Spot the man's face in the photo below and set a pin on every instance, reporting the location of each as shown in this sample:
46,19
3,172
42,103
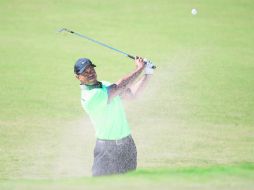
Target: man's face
89,76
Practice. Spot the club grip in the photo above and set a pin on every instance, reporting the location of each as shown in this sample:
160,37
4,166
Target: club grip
130,56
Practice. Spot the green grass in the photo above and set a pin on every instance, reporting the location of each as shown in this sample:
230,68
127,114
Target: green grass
222,177
193,124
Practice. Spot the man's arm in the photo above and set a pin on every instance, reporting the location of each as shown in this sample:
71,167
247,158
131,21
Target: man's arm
137,88
123,84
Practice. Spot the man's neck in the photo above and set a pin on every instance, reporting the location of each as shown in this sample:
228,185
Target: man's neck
97,84
89,84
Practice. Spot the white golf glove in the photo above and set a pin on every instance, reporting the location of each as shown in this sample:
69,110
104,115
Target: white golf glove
148,67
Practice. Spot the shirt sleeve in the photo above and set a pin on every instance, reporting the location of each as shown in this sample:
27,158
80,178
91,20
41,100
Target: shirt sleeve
95,99
110,87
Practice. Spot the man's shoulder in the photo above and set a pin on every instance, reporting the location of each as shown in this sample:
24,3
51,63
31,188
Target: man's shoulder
106,83
94,93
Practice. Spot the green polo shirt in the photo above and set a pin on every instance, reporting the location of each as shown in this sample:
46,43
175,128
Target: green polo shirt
108,119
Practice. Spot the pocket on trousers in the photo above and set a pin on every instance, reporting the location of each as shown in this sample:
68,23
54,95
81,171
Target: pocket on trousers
99,151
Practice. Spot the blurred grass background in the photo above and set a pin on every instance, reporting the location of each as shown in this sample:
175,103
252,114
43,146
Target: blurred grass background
196,113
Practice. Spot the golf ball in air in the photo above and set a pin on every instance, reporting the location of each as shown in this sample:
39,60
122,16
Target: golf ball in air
194,11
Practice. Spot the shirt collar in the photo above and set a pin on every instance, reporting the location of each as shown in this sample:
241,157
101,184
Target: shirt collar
90,87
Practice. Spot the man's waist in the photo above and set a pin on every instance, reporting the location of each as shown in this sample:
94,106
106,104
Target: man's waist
117,142
115,132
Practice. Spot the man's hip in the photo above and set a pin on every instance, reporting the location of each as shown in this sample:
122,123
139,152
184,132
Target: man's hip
114,156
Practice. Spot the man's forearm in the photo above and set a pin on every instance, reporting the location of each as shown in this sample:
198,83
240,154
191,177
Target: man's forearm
125,82
139,86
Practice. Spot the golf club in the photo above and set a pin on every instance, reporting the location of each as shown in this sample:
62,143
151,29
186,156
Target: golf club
102,44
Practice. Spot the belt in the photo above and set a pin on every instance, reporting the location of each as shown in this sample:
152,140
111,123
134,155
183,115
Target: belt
115,142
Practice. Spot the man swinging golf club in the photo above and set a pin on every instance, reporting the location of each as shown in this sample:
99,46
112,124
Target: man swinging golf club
115,151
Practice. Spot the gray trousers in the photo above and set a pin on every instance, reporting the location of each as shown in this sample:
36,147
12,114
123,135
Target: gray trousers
114,156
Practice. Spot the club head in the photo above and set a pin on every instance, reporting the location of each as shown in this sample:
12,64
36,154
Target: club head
62,29
65,30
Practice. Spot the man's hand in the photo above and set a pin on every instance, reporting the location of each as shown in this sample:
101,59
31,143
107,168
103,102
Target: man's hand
148,67
139,61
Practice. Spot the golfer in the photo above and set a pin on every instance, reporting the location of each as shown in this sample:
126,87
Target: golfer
115,151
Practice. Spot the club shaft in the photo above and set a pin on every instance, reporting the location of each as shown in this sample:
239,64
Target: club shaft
100,43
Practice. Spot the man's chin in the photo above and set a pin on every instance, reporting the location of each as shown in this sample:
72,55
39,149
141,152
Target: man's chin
91,82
